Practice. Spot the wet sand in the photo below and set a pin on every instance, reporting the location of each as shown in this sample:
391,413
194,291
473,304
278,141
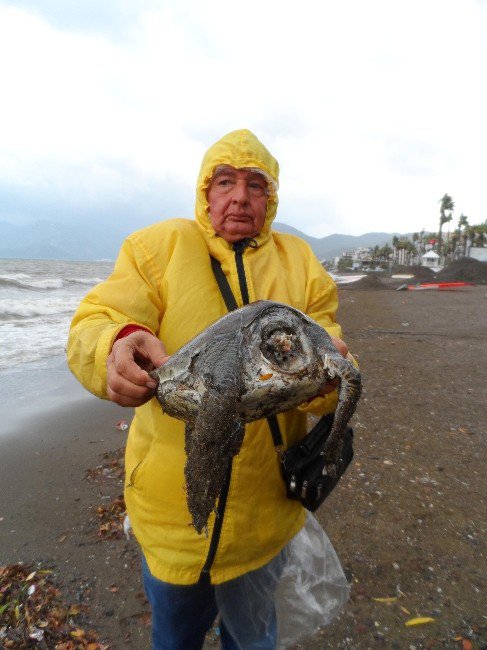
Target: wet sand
407,521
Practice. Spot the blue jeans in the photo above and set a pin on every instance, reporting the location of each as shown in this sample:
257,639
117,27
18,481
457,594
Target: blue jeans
183,614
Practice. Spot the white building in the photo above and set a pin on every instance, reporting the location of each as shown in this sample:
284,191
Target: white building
478,253
431,260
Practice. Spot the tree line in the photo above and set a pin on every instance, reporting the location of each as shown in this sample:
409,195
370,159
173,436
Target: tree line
406,251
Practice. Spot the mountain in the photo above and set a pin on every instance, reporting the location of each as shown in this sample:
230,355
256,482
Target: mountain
77,240
101,239
326,248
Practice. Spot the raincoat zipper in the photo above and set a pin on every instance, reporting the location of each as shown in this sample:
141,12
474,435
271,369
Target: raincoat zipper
238,248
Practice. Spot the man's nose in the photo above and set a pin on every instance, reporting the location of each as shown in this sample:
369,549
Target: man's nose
240,192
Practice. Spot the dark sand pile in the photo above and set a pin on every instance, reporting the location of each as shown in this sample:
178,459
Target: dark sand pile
421,273
464,270
368,283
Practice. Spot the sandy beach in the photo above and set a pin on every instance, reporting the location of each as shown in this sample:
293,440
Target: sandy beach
407,521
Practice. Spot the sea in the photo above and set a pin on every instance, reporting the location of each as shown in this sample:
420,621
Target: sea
38,299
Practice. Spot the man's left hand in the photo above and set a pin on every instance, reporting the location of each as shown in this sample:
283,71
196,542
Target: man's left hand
342,348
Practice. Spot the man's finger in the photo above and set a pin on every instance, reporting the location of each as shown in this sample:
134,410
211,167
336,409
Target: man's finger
147,350
329,387
122,386
128,381
340,345
130,370
127,400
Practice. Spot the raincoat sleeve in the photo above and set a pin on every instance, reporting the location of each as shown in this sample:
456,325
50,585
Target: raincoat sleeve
130,296
322,305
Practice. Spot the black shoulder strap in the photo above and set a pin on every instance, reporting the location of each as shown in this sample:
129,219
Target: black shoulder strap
225,289
275,432
231,304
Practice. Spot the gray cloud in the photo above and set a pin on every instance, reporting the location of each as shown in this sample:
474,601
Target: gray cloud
131,209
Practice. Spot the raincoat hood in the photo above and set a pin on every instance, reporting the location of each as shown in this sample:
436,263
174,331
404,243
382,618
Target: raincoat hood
240,149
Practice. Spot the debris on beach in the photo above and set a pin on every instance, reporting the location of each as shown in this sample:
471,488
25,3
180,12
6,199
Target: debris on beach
112,467
214,383
111,519
32,613
420,620
122,425
127,527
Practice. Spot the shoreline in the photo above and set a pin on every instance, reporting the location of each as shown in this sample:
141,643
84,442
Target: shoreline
37,390
47,443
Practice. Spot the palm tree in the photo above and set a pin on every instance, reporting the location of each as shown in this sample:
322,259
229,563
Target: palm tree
395,244
375,253
411,250
480,237
385,253
446,210
463,222
453,244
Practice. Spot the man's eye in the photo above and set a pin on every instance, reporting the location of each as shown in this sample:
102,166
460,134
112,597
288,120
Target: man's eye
225,182
257,188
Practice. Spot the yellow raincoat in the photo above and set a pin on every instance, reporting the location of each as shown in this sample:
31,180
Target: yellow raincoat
163,281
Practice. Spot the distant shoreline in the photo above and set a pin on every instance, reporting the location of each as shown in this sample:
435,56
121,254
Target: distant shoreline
57,259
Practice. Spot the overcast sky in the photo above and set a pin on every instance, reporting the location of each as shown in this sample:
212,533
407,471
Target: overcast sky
373,109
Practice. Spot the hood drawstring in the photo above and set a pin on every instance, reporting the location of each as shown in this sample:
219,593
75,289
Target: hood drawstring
242,244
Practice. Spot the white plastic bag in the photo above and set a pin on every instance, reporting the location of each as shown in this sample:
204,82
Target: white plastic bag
313,589
299,591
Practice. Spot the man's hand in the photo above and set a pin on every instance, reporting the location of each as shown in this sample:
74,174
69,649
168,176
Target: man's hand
128,365
342,348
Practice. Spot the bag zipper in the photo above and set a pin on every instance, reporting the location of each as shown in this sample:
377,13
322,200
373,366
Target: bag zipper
239,248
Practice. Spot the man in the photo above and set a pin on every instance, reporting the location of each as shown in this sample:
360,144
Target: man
162,293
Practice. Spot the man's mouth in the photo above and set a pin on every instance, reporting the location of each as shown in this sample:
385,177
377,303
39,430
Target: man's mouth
239,217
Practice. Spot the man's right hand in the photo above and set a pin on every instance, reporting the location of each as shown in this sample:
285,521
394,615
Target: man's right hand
131,359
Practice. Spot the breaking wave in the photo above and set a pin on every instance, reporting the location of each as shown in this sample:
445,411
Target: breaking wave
37,301
11,308
84,281
23,281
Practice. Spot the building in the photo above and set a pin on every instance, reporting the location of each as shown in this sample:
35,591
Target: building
478,253
431,260
360,258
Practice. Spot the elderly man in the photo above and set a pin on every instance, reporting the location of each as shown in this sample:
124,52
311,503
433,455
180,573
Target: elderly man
161,294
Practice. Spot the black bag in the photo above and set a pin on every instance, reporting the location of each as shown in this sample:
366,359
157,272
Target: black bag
302,465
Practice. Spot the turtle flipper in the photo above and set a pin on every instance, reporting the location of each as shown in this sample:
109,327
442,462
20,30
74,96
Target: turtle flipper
211,441
348,396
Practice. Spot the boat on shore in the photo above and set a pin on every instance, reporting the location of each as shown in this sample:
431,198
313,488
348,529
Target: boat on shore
438,286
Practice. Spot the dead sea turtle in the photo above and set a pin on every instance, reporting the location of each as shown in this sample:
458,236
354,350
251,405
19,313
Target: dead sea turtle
260,360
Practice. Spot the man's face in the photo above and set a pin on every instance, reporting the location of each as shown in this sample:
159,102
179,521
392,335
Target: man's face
238,203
